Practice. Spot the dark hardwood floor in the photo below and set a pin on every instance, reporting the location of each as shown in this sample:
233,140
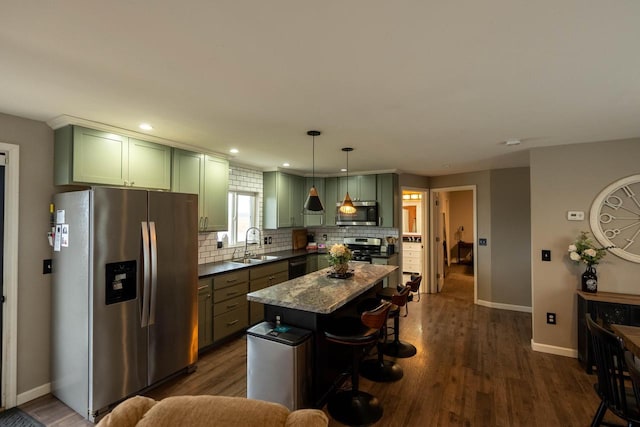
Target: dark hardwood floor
474,367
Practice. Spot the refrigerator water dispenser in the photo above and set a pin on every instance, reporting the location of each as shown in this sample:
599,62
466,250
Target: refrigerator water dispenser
120,281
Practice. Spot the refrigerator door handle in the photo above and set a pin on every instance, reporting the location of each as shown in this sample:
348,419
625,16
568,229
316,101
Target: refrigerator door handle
146,276
154,272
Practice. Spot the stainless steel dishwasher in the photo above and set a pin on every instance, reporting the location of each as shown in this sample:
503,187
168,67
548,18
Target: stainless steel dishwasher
297,267
279,364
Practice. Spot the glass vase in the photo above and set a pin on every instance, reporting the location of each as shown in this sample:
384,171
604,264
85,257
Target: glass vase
590,280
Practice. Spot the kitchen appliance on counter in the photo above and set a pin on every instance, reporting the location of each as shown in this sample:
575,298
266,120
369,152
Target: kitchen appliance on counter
362,248
124,294
366,214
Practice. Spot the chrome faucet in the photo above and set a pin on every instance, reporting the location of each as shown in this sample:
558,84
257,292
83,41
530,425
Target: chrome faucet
248,254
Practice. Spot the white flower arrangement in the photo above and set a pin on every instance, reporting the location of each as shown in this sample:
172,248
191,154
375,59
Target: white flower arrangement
584,250
339,254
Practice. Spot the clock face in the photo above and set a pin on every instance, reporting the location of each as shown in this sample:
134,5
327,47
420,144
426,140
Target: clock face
615,218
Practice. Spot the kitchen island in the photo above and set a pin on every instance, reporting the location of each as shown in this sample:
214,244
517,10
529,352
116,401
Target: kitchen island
311,302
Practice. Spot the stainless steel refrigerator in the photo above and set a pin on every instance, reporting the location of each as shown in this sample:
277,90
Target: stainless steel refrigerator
124,295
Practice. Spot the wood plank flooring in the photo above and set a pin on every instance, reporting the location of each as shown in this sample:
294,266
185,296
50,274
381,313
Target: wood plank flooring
474,367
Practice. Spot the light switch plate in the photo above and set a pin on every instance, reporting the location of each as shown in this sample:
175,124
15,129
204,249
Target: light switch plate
575,215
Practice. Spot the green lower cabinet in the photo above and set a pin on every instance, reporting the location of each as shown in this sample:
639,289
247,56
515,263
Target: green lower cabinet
230,305
262,277
394,279
205,314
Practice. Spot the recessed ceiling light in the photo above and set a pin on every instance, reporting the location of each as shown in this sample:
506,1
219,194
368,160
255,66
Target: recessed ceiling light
234,151
286,165
510,142
343,170
145,126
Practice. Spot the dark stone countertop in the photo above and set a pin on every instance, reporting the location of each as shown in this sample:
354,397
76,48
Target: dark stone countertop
213,268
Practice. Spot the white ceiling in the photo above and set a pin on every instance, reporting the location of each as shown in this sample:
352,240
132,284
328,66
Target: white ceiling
423,86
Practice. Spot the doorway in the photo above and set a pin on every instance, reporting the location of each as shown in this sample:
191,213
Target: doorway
10,162
414,233
453,228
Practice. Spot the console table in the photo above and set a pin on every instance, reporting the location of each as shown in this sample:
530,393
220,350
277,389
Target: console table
606,308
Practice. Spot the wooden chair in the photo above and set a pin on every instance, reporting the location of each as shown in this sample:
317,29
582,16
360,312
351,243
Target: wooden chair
355,407
611,370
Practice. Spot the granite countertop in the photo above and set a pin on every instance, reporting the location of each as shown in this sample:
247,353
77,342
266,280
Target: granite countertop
213,268
318,293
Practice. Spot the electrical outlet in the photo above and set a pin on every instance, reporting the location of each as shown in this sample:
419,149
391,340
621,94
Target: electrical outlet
270,240
546,255
551,318
266,240
46,266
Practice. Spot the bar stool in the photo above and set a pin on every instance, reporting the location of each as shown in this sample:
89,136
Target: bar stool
355,407
397,348
415,286
378,369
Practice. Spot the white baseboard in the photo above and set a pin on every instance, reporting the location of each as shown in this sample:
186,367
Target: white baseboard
500,306
34,393
552,349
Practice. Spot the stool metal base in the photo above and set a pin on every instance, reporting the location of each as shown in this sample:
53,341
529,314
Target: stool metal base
354,409
382,372
399,349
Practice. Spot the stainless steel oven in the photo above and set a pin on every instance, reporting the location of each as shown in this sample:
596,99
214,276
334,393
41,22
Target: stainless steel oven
366,214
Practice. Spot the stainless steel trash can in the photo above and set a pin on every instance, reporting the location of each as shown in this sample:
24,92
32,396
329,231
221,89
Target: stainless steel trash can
279,365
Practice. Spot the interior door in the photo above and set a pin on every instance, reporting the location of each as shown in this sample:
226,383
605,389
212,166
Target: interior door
2,160
439,242
173,329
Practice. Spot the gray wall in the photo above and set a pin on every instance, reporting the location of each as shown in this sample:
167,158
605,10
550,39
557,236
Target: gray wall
502,203
562,179
36,176
511,237
482,181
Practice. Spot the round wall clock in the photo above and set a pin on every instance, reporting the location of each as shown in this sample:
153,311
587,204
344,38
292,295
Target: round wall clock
615,218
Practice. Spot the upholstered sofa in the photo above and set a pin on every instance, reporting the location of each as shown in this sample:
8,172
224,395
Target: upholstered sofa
205,411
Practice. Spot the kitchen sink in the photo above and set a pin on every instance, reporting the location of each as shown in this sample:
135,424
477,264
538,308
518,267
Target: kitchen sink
256,259
266,257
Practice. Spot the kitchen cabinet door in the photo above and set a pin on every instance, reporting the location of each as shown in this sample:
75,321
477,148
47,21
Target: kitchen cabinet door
283,190
89,156
298,196
99,157
361,187
149,165
366,187
393,279
208,177
282,200
331,197
205,314
388,199
215,197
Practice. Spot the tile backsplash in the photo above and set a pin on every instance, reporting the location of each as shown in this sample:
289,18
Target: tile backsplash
243,179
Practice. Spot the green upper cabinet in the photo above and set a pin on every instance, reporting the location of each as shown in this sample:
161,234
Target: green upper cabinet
88,156
216,194
283,200
311,220
149,165
361,187
388,198
331,197
208,177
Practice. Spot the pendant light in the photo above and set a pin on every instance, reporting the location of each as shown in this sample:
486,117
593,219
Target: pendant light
347,207
313,204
